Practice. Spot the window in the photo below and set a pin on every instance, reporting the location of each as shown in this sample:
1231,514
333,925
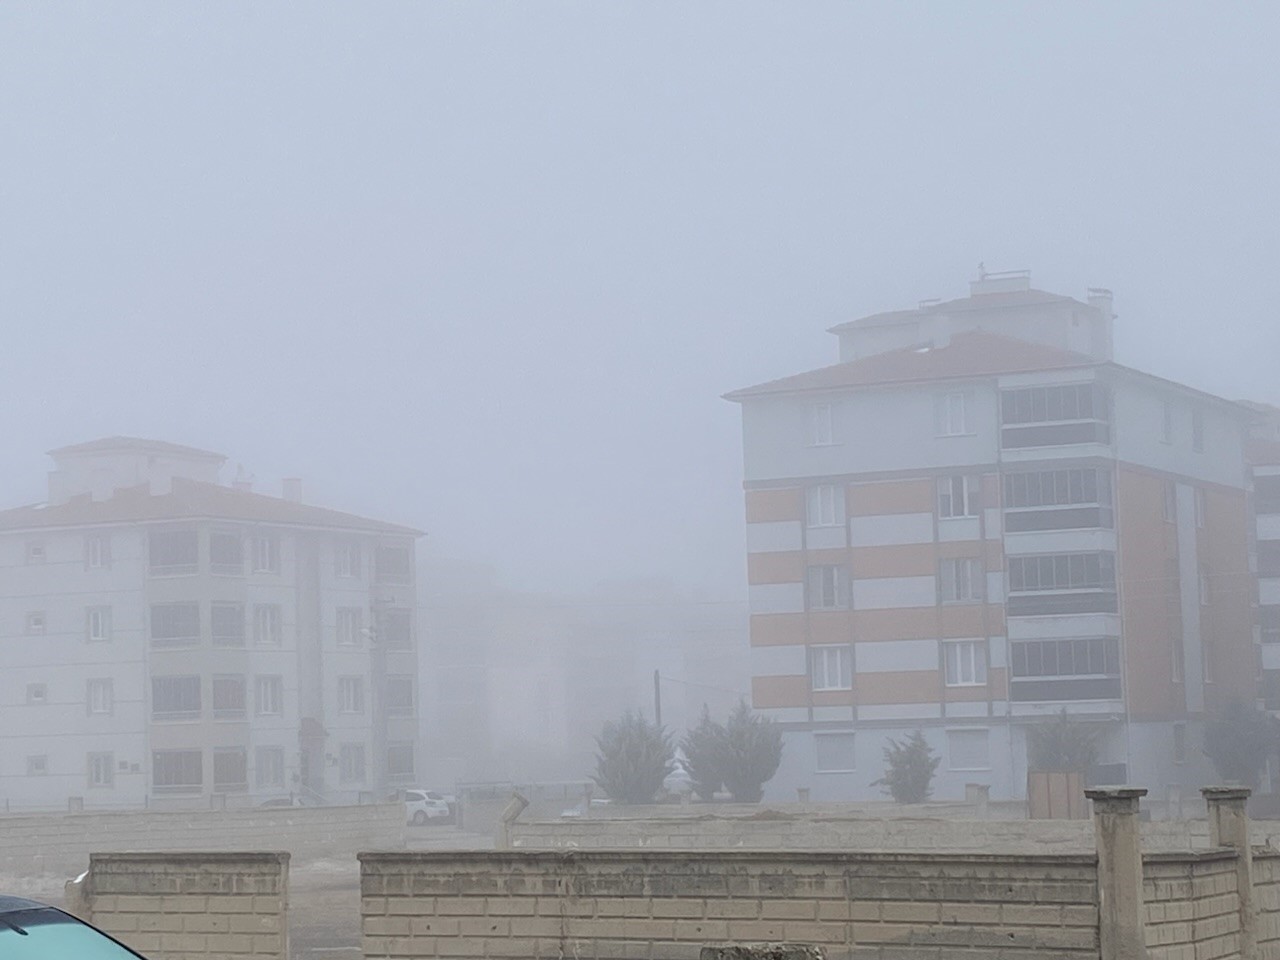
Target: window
266,554
230,769
1269,558
37,694
351,694
99,697
97,624
1197,431
177,771
1269,620
268,696
834,752
1166,426
966,662
400,696
97,551
826,587
349,626
1170,501
1071,499
347,558
1063,571
228,697
1082,668
400,761
173,552
35,624
825,506
268,767
351,763
1266,494
37,766
961,580
831,667
226,553
1179,743
1053,416
175,698
959,497
969,749
268,630
227,624
102,770
36,551
394,565
950,415
175,624
821,428
1200,507
395,628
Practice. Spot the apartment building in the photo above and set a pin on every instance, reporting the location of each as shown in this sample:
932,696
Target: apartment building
978,519
171,640
1264,457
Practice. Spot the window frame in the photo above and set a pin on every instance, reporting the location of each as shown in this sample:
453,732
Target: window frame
816,586
829,735
268,692
945,407
104,761
960,731
820,655
977,662
821,425
266,553
351,695
177,787
104,685
824,506
975,577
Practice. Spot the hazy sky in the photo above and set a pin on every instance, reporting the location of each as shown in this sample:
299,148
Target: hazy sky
486,268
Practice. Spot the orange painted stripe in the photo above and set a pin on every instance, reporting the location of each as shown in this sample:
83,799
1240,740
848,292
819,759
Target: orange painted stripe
775,568
898,496
779,691
777,629
903,686
770,506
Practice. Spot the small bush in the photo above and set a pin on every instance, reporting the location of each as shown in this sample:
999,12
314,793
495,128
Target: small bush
909,769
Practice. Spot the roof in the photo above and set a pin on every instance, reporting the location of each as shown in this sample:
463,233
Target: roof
973,354
136,445
981,301
188,499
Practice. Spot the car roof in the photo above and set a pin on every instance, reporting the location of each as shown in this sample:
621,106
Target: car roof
14,904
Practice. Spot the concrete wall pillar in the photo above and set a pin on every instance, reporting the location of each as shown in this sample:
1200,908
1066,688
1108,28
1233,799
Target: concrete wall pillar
1121,912
1229,827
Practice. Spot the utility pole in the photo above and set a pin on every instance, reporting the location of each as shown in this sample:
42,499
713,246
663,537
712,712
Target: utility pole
657,699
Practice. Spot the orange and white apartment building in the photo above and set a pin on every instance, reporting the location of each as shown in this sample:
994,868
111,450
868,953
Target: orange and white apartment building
977,519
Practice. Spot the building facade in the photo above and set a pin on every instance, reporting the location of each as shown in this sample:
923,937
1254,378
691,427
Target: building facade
171,640
977,520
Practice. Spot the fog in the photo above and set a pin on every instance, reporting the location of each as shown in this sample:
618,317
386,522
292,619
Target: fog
487,268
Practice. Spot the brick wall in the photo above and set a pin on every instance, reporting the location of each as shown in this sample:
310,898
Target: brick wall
1266,892
192,906
1192,905
773,830
61,844
666,905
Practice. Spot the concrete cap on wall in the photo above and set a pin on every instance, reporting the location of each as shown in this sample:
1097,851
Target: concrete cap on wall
1228,792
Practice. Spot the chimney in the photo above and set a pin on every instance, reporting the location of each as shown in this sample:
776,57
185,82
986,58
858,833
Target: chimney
1100,300
292,489
243,483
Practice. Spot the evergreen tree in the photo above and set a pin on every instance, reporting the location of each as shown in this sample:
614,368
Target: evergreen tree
704,751
909,769
752,753
634,758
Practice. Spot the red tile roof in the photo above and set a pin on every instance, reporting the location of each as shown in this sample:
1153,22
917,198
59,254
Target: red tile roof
136,445
189,500
982,301
970,355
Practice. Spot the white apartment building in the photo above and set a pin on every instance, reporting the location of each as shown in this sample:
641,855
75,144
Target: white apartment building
171,640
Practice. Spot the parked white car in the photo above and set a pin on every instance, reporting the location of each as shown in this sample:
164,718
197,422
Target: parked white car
423,805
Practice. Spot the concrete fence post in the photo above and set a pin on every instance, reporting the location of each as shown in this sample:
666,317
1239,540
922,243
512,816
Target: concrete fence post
1121,912
1229,827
